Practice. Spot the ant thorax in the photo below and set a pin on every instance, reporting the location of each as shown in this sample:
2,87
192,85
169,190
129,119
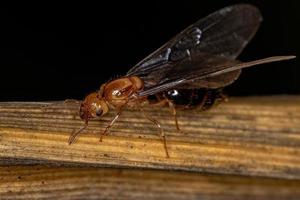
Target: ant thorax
119,92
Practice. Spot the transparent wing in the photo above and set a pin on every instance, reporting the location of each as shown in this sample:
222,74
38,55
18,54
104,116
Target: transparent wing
223,33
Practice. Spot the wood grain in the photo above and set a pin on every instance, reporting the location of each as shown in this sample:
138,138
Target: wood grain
257,136
39,182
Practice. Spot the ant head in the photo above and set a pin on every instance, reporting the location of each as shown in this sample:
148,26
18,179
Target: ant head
93,106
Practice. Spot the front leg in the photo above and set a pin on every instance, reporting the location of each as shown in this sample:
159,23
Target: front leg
105,132
75,134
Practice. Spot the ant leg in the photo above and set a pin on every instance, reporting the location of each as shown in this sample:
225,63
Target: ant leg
105,132
204,99
75,134
160,103
212,98
162,134
72,101
173,111
163,102
66,101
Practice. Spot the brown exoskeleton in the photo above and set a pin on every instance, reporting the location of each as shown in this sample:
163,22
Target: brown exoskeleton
186,70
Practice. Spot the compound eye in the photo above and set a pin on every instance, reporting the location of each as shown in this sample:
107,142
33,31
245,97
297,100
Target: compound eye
99,112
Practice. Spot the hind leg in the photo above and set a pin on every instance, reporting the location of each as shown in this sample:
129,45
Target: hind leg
211,98
165,101
157,124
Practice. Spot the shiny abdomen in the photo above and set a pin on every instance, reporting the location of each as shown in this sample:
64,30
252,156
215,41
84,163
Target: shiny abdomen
191,98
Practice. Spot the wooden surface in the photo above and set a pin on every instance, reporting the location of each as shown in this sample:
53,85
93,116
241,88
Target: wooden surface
247,148
258,136
40,182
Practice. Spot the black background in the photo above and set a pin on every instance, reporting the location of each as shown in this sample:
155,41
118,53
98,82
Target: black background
58,51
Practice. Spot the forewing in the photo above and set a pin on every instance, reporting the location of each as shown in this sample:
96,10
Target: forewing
223,33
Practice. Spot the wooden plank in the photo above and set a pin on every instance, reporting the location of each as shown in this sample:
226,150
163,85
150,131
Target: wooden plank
247,136
40,182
